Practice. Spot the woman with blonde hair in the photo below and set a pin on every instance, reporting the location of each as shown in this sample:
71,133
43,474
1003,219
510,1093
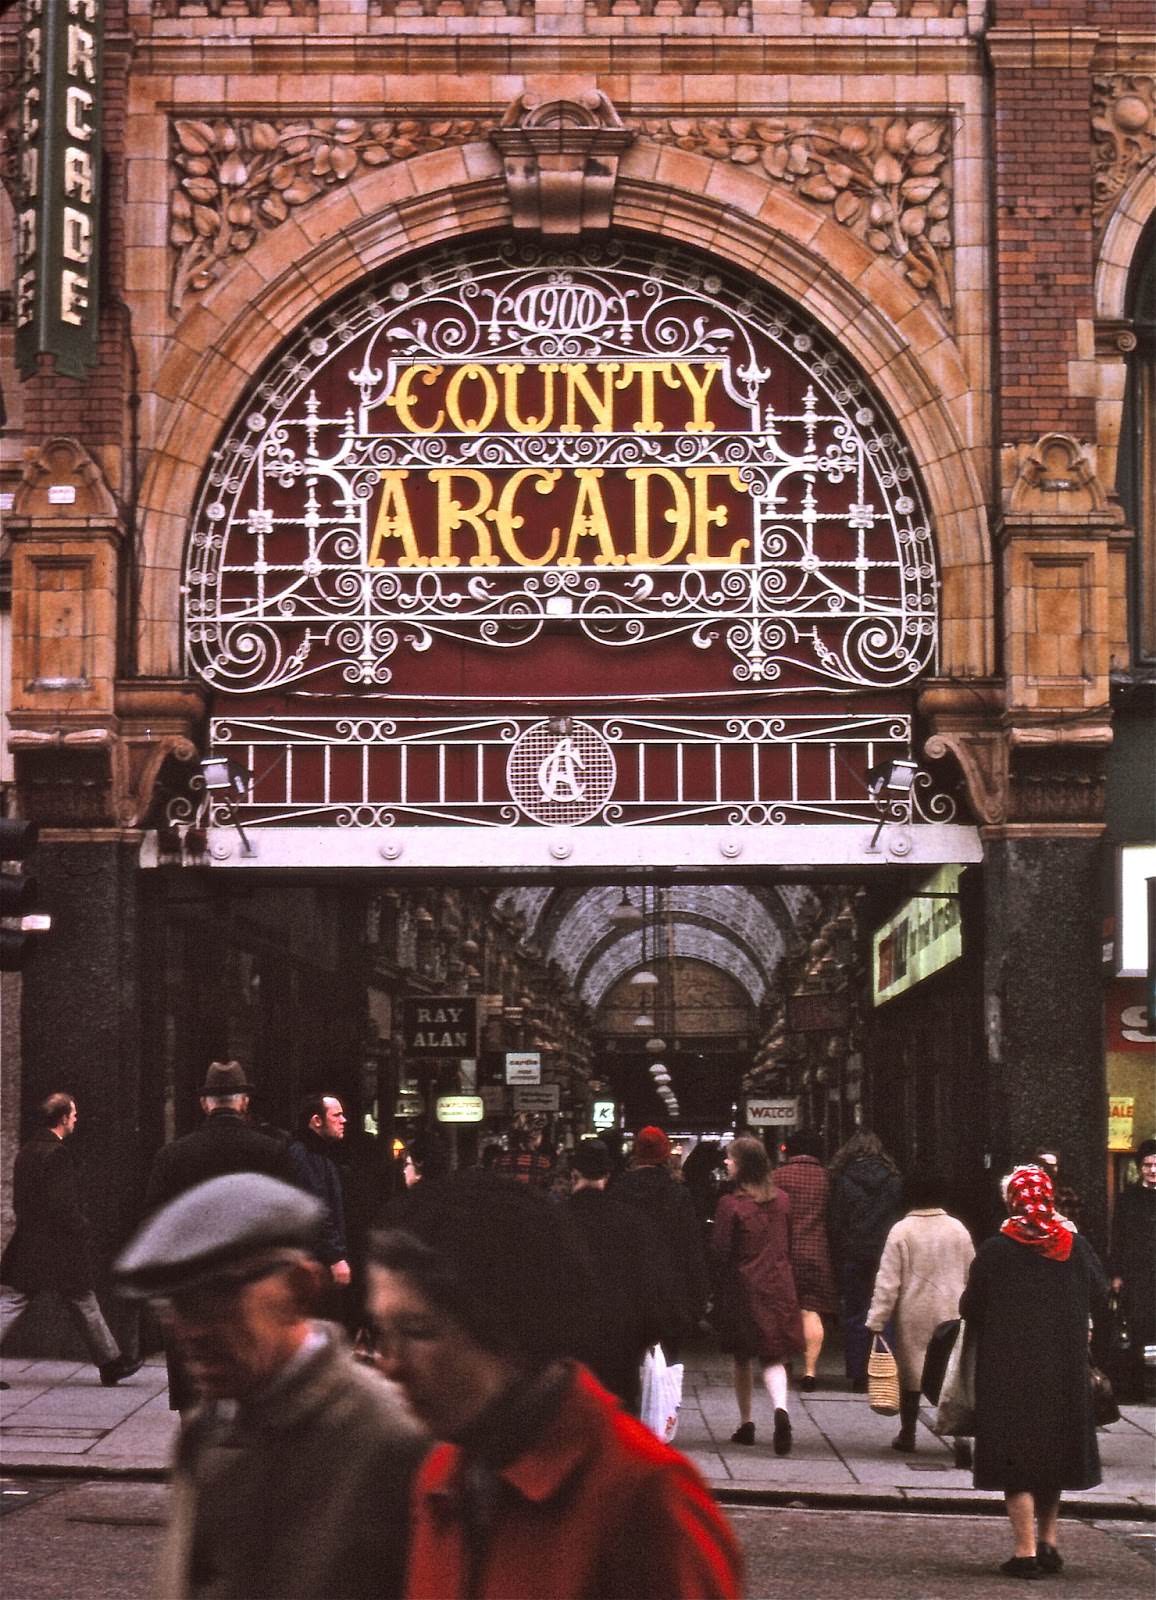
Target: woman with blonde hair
757,1312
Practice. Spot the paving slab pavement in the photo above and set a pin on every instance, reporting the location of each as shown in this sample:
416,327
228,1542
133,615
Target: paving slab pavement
56,1418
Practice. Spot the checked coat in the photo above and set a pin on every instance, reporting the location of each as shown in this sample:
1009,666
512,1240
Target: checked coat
804,1180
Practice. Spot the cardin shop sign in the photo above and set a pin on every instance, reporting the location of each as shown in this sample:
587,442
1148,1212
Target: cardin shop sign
439,1025
58,191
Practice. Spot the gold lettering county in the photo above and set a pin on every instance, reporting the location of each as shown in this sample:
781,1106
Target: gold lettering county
478,519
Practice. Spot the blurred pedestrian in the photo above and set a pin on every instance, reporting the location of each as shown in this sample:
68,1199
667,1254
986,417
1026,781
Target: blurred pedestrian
921,1276
1068,1203
225,1142
1133,1267
757,1305
627,1311
866,1199
1028,1299
542,1486
807,1186
526,1161
648,1186
292,1478
426,1159
320,1131
51,1250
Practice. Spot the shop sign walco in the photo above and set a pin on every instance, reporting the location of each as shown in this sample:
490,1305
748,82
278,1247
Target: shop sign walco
58,204
772,1113
439,1025
921,939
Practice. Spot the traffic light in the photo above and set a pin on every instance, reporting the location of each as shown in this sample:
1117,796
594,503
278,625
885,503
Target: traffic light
19,916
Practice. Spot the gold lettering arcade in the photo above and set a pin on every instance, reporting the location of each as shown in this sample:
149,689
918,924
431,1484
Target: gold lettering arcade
537,516
59,175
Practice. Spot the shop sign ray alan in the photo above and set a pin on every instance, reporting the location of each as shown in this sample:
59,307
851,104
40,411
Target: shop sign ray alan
58,198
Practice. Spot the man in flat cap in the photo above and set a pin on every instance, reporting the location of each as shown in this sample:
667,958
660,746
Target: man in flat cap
225,1142
292,1477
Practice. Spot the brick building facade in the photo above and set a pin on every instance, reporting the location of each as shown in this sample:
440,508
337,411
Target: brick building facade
957,195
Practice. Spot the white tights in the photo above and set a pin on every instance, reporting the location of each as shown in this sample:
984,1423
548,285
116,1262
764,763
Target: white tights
775,1379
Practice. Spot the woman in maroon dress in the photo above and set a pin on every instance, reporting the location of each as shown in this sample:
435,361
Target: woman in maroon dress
756,1308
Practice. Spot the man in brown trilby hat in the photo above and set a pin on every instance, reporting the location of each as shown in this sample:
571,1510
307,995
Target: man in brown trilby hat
225,1142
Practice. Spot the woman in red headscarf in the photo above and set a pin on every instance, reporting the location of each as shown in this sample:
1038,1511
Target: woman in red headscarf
1027,1303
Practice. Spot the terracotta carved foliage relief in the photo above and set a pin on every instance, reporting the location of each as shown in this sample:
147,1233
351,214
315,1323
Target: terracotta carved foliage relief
887,179
1123,135
237,179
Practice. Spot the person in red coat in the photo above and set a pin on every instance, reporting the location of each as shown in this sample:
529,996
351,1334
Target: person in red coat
757,1308
542,1487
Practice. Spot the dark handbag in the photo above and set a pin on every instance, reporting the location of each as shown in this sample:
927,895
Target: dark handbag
1104,1407
1120,1338
939,1348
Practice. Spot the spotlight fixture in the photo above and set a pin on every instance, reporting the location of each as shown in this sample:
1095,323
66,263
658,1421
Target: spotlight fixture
891,778
224,777
891,787
226,781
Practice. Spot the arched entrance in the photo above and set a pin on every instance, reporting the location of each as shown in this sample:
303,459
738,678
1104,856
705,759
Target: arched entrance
518,557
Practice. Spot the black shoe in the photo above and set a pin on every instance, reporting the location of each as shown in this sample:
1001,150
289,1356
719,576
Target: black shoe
1049,1558
961,1454
4,1385
744,1434
808,1384
905,1442
114,1372
1021,1567
782,1434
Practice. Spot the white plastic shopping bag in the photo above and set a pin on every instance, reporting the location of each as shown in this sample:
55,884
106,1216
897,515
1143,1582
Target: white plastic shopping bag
661,1394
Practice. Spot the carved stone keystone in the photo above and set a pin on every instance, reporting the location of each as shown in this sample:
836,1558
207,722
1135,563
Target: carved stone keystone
561,163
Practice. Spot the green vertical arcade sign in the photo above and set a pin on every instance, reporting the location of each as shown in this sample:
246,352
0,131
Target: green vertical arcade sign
58,244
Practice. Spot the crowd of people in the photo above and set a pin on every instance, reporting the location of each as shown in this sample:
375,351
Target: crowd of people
510,1307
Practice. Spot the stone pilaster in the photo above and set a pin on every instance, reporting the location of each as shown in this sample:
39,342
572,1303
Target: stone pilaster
1044,1009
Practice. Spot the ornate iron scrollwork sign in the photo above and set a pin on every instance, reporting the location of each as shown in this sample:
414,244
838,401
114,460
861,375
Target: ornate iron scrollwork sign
612,444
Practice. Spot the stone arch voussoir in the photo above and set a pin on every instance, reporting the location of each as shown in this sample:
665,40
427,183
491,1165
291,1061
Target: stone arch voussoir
898,341
1128,219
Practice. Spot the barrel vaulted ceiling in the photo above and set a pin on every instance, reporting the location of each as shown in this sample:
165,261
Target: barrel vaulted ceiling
739,930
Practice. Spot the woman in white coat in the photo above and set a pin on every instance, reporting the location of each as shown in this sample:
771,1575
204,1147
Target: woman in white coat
921,1276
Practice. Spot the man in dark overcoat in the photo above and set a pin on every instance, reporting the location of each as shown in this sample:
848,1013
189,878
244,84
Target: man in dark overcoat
292,1476
630,1310
50,1251
225,1142
649,1185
